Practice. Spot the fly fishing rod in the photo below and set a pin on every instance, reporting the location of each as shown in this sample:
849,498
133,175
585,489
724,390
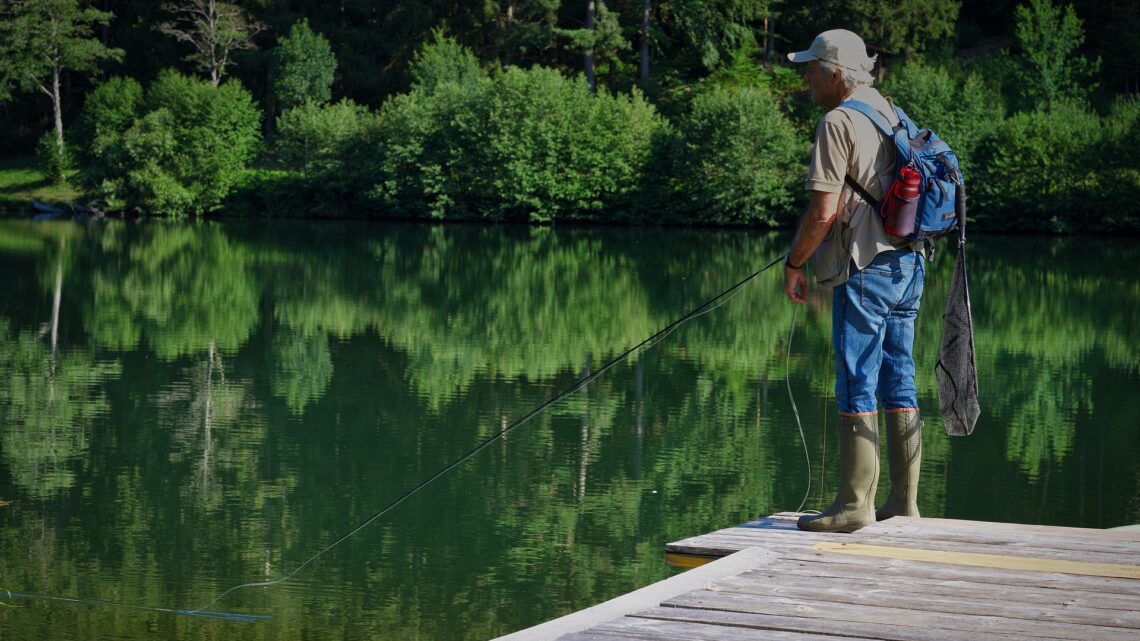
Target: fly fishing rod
704,308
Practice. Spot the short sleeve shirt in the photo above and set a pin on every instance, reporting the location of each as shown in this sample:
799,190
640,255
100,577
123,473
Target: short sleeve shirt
847,143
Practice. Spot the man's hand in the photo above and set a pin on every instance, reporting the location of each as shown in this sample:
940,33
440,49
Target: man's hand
795,284
813,227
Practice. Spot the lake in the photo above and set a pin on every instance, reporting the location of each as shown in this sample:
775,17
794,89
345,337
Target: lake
185,408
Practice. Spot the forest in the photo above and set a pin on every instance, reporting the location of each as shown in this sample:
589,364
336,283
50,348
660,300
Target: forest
628,111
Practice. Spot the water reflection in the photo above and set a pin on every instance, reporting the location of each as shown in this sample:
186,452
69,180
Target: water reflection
188,407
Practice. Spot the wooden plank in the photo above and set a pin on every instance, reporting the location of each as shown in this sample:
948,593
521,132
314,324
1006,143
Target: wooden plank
647,628
1015,529
723,543
872,565
923,579
896,630
914,595
865,613
985,560
1058,538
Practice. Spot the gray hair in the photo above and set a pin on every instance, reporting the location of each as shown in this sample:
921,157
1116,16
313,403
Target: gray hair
851,77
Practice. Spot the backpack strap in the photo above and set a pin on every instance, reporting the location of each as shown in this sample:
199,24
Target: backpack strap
884,127
871,200
872,113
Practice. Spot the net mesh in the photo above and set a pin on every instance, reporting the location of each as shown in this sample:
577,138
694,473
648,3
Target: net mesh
957,370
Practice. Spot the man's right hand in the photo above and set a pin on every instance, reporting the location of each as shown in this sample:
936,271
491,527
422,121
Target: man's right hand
795,284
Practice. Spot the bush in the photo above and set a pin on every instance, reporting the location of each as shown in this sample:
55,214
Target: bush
961,111
109,110
737,160
526,145
186,143
558,151
1040,171
320,139
54,160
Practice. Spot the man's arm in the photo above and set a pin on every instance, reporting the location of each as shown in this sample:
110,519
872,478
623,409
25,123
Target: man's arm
814,225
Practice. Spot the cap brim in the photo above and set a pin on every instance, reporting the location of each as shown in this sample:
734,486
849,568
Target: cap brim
801,56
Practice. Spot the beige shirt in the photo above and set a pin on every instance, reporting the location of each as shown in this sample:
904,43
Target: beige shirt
848,143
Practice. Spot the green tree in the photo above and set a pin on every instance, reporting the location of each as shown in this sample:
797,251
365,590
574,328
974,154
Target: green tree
39,40
304,67
737,158
215,30
186,146
1051,70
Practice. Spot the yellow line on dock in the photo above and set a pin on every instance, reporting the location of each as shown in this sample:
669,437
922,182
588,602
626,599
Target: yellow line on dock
985,560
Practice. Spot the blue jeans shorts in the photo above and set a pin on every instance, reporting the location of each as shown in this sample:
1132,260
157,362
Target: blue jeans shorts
872,333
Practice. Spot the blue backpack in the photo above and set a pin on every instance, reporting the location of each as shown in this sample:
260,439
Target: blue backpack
922,151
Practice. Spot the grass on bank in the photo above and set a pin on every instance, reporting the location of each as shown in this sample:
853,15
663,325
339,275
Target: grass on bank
21,181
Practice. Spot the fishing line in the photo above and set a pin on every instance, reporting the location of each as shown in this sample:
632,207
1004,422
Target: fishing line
704,308
208,614
796,410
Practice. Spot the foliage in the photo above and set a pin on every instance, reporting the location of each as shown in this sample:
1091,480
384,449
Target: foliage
304,68
905,27
167,164
38,42
1050,69
558,151
737,158
1039,171
39,39
214,30
960,110
55,161
443,60
526,145
321,139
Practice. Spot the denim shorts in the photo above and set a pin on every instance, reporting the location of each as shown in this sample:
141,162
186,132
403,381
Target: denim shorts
872,333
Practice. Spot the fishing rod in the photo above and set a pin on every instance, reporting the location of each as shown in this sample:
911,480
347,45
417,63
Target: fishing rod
704,308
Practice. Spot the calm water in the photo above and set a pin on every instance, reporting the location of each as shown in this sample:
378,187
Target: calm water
184,408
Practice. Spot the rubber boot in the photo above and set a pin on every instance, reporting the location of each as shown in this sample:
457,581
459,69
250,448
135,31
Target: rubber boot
854,504
904,456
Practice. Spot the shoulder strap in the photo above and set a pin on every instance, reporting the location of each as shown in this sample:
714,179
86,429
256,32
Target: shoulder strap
859,190
883,126
872,113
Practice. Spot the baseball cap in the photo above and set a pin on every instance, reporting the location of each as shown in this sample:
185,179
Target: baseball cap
837,46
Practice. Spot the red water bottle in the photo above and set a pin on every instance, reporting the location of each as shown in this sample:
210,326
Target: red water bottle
901,207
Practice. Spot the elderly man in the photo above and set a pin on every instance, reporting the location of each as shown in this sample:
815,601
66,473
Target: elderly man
876,279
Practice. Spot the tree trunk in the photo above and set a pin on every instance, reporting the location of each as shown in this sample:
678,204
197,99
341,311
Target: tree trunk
591,75
509,45
643,68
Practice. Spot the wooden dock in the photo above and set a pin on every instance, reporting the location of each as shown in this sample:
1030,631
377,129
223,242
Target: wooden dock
899,580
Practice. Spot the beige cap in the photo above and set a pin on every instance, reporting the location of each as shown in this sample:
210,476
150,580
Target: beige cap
837,46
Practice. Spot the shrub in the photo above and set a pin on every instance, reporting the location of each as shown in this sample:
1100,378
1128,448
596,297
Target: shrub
558,151
54,160
320,139
109,110
526,145
187,144
961,111
1039,170
737,159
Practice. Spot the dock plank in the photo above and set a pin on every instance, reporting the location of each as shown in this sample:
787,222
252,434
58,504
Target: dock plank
906,579
869,613
881,630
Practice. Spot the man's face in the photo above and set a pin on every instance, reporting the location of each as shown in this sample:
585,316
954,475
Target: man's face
824,87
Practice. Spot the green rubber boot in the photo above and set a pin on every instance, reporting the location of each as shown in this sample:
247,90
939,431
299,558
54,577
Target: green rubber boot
854,504
904,453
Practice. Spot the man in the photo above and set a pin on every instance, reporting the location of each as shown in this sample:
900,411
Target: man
877,280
